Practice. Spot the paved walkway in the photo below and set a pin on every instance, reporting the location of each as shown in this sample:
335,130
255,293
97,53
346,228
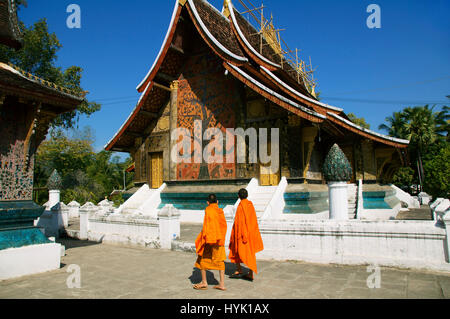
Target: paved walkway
422,213
109,271
189,232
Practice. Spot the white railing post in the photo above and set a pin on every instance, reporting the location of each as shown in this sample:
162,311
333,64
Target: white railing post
106,207
169,225
65,215
74,209
360,200
85,211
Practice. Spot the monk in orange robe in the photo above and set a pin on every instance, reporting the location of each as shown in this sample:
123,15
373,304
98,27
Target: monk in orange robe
245,240
210,244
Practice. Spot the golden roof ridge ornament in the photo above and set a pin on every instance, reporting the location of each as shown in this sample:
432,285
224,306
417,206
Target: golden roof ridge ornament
226,9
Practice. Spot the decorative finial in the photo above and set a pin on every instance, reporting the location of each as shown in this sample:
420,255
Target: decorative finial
54,182
336,167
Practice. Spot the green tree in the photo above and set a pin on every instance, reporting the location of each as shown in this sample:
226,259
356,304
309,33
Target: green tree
427,131
403,177
38,56
358,120
86,175
437,169
396,125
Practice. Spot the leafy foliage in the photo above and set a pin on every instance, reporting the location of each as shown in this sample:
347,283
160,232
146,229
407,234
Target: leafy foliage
86,175
358,120
427,131
437,169
38,56
396,125
404,177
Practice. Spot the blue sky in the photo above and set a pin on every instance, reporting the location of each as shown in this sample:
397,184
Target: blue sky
370,72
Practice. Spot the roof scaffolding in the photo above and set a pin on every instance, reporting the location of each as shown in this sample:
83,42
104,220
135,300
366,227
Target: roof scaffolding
266,29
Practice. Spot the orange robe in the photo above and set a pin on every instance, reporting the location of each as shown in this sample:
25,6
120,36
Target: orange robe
245,240
210,243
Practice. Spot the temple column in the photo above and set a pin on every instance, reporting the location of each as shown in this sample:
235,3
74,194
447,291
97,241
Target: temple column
173,126
308,137
139,153
369,164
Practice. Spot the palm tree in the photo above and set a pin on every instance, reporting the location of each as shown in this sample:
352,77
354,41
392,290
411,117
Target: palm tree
421,126
442,119
396,126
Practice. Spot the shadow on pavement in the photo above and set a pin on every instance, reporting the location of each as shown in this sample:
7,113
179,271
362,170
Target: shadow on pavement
230,268
75,243
196,277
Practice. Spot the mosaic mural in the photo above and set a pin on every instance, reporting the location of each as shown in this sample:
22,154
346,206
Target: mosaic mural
16,177
206,94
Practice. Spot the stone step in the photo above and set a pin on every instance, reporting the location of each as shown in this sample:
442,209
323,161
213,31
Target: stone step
261,196
260,201
260,208
266,187
352,191
264,190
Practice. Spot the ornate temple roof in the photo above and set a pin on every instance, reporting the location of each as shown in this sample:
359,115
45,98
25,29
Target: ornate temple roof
233,39
10,34
14,81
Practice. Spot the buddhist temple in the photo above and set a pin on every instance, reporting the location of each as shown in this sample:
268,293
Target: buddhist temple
216,67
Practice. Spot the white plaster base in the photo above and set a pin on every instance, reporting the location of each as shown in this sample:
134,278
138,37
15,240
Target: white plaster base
126,226
411,244
192,216
28,260
124,240
337,194
380,214
293,217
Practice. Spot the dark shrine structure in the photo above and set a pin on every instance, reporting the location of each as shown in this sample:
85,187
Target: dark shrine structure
27,106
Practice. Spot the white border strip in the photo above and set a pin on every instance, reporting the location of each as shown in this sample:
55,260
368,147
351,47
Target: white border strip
298,93
211,37
163,45
393,139
129,116
263,87
241,35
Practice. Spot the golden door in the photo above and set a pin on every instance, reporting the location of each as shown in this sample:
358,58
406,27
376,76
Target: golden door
156,169
267,177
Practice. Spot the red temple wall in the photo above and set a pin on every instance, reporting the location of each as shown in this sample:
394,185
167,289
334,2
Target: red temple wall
205,93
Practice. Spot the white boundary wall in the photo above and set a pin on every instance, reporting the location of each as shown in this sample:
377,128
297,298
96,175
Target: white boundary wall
416,244
97,224
28,260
